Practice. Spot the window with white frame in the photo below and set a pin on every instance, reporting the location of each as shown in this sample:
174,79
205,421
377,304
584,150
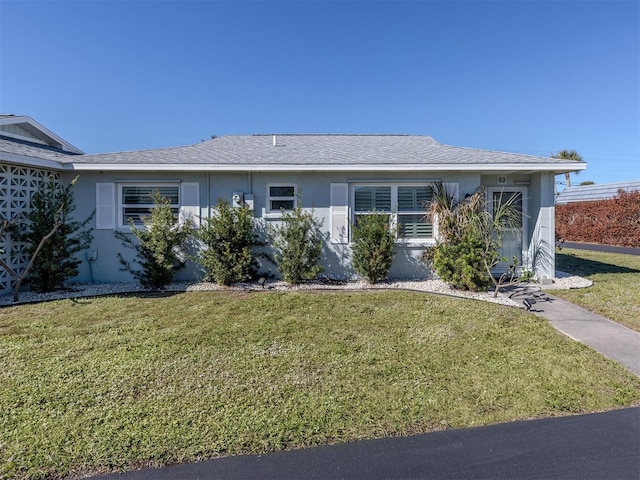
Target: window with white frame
370,198
413,221
135,201
281,197
405,205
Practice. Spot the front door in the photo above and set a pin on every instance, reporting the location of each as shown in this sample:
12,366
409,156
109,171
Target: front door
512,241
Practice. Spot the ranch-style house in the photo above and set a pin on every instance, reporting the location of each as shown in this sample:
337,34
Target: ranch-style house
338,176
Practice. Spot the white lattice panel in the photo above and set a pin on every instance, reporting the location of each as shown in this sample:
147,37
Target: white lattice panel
17,184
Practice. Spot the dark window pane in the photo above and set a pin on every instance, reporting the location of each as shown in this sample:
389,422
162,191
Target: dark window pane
364,199
137,214
515,199
383,199
373,198
136,195
413,198
278,204
286,191
170,193
141,194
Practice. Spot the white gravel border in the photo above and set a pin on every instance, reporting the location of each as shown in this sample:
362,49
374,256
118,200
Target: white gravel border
566,281
77,290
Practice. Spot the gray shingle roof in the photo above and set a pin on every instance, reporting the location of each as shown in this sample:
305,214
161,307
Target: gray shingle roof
24,148
315,150
586,193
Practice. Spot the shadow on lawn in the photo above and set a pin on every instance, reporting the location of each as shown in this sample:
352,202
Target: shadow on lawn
146,294
580,266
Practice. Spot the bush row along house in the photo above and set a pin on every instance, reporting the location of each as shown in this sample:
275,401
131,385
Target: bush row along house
340,177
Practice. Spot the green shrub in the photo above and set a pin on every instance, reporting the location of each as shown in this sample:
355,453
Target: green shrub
228,238
297,244
51,209
470,238
159,246
460,264
373,246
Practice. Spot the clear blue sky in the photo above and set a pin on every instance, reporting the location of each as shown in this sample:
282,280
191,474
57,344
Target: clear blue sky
530,77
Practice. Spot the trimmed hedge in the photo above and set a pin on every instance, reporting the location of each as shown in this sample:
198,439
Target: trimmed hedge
609,222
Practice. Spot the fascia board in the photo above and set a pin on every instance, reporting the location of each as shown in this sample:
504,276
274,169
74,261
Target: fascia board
10,120
498,167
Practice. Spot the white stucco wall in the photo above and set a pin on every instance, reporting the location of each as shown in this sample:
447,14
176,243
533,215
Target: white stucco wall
539,246
313,187
542,246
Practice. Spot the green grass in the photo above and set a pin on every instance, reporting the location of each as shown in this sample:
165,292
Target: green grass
615,293
107,384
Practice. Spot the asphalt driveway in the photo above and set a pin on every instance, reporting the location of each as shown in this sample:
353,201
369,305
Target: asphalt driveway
595,446
601,248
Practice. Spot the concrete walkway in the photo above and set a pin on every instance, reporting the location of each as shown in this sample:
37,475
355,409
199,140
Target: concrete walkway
611,339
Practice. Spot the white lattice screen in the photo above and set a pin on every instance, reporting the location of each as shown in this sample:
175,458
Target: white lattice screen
17,184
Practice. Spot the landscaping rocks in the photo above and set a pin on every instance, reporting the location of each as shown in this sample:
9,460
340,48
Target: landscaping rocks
562,281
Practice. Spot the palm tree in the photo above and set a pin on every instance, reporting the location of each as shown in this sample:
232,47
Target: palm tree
568,155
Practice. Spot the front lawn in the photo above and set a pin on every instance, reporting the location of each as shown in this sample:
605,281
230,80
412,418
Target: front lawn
615,293
96,385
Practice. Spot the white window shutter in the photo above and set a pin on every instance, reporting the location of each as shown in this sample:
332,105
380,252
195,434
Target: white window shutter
453,190
105,206
340,213
190,202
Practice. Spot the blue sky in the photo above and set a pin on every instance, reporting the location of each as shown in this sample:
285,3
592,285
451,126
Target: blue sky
530,77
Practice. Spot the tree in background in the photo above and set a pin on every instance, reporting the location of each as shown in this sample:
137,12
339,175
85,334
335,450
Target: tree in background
568,155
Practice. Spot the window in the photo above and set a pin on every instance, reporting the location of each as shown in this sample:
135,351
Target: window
135,201
413,221
369,198
117,202
405,204
281,197
514,198
372,198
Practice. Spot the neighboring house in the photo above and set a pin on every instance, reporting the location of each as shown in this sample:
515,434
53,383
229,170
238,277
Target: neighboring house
339,176
588,193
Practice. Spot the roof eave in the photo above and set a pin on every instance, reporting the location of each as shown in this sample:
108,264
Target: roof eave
571,167
423,167
33,161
